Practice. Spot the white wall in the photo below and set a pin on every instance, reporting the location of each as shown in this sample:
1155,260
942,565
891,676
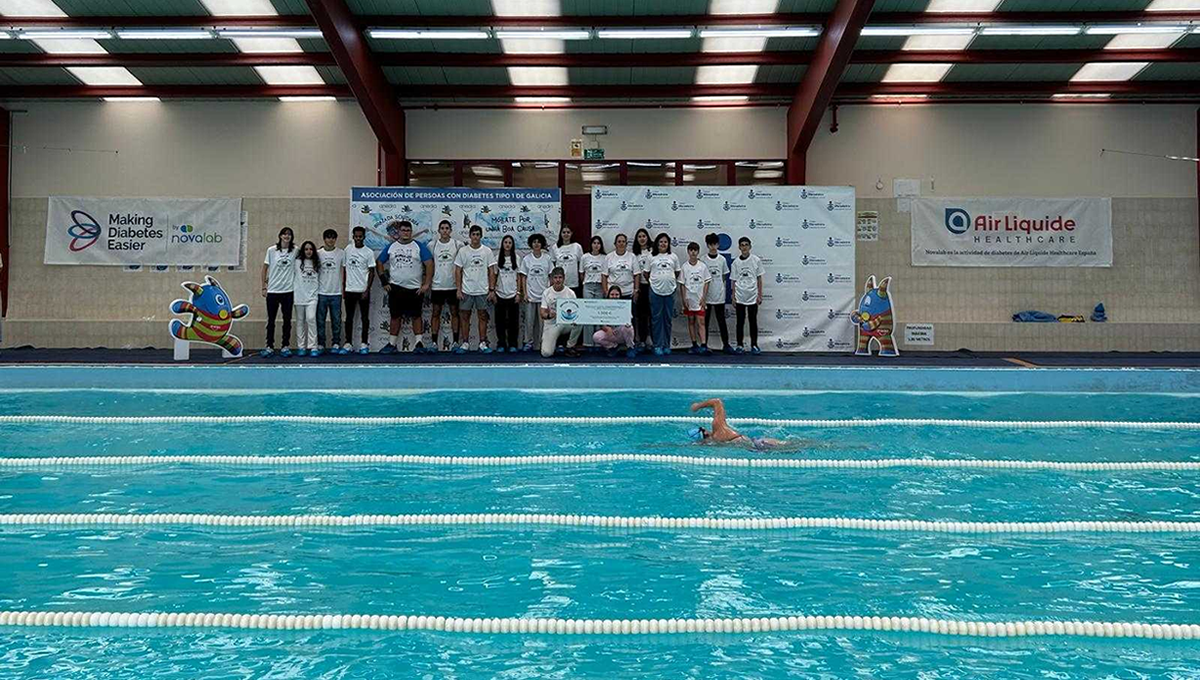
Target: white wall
193,148
1009,150
632,133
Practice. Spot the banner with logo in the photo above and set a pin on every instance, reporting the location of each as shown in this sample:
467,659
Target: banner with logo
804,235
143,231
499,212
594,312
1012,232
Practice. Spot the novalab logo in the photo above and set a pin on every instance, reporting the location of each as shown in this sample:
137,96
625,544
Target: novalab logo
781,277
834,242
186,234
812,296
83,231
781,242
959,221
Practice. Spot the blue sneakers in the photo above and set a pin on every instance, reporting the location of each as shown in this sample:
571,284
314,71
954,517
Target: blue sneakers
285,352
388,349
266,352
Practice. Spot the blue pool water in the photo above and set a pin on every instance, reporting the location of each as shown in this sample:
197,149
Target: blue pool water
571,572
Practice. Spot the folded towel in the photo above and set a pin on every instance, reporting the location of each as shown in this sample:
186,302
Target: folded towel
1033,316
1098,314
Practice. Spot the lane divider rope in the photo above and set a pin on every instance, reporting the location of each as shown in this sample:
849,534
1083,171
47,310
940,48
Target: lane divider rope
530,626
605,521
590,459
601,420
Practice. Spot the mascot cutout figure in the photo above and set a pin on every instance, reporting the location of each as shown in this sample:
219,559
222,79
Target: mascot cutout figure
874,319
212,316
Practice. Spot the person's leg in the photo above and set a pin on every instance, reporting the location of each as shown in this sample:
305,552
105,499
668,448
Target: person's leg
591,291
286,302
514,324
528,321
483,327
623,335
322,311
575,336
418,326
435,320
364,313
660,312
723,325
464,322
741,319
351,301
272,310
708,314
605,340
642,315
550,332
752,312
335,323
501,320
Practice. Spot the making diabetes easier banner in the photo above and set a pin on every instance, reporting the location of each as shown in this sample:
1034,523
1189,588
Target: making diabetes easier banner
1012,232
804,235
146,231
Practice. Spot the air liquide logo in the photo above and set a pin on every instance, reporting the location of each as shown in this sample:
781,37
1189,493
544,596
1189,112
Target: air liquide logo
958,221
83,232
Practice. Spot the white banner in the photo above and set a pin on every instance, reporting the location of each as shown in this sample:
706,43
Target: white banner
499,212
1012,232
594,312
804,235
143,231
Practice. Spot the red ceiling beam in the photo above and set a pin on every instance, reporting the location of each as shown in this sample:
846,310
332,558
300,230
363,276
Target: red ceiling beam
370,86
821,79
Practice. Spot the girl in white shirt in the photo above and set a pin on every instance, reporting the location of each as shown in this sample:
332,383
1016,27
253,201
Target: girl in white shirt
621,270
593,267
308,280
278,284
567,254
508,298
643,248
664,279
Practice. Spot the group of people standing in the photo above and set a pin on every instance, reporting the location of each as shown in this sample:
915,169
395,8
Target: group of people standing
522,290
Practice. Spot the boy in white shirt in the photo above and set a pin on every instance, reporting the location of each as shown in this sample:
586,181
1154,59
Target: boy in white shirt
747,275
329,293
718,268
533,277
475,271
549,311
695,277
359,266
445,284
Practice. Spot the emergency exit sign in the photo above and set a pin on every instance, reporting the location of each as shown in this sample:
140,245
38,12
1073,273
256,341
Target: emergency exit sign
593,154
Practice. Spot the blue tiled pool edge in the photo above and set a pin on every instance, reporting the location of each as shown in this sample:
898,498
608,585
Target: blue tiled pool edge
592,376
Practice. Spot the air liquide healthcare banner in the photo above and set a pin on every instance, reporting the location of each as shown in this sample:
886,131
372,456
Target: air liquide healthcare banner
146,231
804,235
1012,232
499,212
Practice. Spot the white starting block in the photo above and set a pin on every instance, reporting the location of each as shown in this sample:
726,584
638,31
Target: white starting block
183,351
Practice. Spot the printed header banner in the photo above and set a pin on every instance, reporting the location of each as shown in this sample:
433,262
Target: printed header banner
804,235
1012,232
143,231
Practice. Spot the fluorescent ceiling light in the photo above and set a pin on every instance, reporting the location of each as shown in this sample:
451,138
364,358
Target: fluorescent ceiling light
307,98
122,100
1100,72
1001,29
543,34
537,75
249,8
103,75
289,75
30,8
726,75
916,73
893,97
875,31
270,33
163,34
65,35
643,33
762,32
721,98
541,100
1117,29
421,34
1080,95
527,8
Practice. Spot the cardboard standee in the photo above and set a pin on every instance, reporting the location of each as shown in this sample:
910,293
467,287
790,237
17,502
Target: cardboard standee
212,319
875,319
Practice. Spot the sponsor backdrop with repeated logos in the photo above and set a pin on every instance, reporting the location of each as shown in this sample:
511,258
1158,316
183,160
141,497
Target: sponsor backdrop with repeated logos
804,235
499,212
1012,232
143,231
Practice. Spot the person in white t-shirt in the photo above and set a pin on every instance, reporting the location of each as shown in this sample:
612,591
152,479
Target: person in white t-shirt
643,250
359,263
593,267
746,272
664,279
508,297
567,254
308,282
532,278
406,268
718,268
621,270
445,286
475,270
329,293
278,287
549,311
695,277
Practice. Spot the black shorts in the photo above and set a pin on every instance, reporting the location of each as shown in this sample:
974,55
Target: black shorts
444,297
404,303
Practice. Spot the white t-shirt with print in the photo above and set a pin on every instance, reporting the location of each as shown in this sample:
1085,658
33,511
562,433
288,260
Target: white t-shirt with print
308,280
643,262
718,268
281,269
474,263
332,263
621,270
568,258
744,274
593,267
537,275
506,278
358,263
664,273
443,263
694,277
551,296
405,263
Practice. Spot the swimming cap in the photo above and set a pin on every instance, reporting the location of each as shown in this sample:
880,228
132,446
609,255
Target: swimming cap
696,434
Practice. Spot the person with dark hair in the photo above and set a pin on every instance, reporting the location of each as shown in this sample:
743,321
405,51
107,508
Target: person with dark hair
594,265
407,271
567,254
532,278
359,265
696,280
308,282
611,337
664,279
643,250
445,287
747,276
508,298
549,311
329,293
718,269
278,287
475,271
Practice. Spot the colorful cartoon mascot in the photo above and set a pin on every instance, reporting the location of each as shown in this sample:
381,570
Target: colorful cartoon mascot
874,319
212,316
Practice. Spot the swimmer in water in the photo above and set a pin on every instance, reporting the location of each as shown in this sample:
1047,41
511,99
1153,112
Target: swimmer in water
722,433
